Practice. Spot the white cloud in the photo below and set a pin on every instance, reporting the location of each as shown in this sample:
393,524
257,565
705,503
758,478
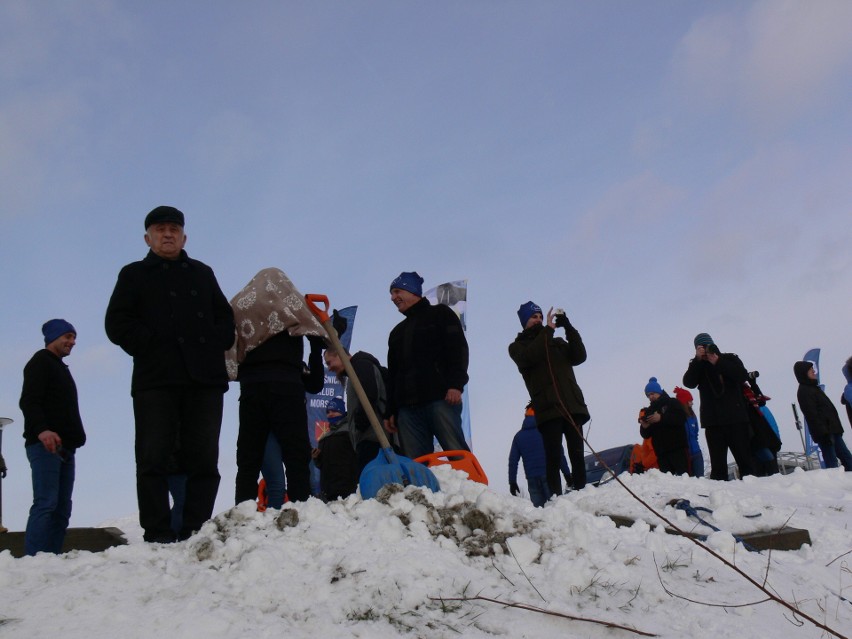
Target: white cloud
776,62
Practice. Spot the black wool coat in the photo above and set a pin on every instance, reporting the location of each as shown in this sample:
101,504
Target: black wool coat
173,319
49,401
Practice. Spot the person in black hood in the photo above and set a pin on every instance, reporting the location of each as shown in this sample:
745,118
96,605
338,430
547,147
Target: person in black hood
821,416
369,373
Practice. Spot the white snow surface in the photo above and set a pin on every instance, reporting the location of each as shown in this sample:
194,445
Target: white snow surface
395,567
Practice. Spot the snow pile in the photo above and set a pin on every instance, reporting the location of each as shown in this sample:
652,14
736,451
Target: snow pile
399,565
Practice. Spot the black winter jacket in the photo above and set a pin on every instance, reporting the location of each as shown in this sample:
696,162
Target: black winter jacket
669,433
172,318
546,363
49,401
427,355
720,388
819,412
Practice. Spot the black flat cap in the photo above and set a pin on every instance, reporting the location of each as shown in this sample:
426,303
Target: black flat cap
164,214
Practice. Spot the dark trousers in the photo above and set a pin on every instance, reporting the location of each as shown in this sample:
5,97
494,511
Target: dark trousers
551,434
265,409
722,437
674,461
183,423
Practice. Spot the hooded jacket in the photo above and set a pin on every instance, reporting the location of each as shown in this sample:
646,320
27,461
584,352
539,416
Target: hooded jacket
528,446
546,363
368,370
846,398
820,414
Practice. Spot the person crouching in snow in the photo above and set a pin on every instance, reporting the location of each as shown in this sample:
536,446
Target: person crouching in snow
664,423
334,455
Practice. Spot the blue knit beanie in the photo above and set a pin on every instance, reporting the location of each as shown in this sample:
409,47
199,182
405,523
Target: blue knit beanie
336,404
702,339
526,311
653,386
56,328
410,282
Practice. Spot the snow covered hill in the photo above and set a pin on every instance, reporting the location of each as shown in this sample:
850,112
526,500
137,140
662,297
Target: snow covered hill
418,564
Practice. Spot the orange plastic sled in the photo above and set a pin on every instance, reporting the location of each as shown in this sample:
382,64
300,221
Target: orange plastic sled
458,459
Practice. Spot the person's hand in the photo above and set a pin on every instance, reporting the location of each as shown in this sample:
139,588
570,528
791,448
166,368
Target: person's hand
653,418
561,320
514,489
453,397
551,320
315,452
390,424
700,352
51,441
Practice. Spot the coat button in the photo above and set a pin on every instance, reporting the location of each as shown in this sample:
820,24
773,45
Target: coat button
180,340
202,340
193,292
173,293
200,314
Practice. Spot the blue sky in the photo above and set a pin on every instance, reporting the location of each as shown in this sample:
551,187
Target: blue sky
657,169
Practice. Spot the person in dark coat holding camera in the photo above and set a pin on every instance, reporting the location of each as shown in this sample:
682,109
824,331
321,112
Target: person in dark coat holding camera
663,422
168,312
822,417
719,378
546,363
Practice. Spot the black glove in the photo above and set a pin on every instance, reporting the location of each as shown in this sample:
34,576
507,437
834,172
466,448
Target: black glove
513,488
561,321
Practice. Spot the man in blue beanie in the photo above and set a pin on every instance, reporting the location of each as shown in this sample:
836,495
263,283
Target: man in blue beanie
719,378
53,431
427,371
546,363
168,312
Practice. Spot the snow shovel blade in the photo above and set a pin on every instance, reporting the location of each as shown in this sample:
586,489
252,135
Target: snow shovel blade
390,468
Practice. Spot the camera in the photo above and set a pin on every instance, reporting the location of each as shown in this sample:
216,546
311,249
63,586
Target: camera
712,348
753,375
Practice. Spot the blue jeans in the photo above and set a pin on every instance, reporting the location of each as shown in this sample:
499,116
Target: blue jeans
539,490
419,424
833,449
53,483
272,470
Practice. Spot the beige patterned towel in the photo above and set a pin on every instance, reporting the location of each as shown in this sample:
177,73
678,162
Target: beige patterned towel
267,305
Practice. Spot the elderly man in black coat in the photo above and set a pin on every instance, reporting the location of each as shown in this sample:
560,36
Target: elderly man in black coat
168,312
